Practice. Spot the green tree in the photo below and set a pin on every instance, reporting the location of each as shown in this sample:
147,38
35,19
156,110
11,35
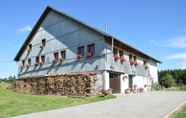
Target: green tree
168,81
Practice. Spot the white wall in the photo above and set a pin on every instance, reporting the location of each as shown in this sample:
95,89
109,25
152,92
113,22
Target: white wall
153,71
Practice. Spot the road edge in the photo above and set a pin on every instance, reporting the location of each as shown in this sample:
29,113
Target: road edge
168,115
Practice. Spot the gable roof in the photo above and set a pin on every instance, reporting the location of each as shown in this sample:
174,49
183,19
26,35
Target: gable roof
45,13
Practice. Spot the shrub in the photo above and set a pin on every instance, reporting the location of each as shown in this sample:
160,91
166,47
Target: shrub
168,81
156,87
182,87
105,92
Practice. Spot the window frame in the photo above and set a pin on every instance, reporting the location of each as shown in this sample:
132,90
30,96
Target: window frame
81,51
63,54
29,62
43,42
91,50
43,59
37,59
56,56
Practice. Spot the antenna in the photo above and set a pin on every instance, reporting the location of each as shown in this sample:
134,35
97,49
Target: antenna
106,28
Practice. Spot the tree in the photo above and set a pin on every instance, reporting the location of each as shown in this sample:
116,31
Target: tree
167,80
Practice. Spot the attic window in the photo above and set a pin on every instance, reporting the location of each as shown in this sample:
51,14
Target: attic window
23,63
29,62
37,60
63,54
43,59
56,56
91,50
43,42
80,52
30,46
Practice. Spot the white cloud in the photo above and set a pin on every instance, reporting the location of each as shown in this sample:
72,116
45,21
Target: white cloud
177,56
26,28
178,42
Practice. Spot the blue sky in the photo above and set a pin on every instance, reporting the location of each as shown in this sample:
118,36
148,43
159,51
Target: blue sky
157,27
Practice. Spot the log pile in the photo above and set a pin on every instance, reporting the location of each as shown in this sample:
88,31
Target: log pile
65,85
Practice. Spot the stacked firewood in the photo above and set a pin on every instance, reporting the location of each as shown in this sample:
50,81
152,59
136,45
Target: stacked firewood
65,85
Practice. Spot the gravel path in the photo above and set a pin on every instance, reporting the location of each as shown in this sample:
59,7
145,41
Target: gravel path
146,105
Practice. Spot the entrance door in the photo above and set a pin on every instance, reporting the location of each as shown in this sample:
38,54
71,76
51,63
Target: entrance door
115,82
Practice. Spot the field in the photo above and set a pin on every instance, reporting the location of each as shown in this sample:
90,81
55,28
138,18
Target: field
13,104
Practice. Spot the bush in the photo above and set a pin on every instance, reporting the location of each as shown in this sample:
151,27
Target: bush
167,81
156,87
104,93
182,87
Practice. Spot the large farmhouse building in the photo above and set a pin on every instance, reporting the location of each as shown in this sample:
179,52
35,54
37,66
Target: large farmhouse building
60,44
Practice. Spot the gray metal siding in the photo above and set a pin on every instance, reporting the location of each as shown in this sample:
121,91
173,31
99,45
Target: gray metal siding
62,34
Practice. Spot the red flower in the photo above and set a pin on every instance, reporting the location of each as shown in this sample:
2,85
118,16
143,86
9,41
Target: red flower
122,59
89,54
135,63
116,57
131,62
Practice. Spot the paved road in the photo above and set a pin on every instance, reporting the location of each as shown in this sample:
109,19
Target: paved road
147,105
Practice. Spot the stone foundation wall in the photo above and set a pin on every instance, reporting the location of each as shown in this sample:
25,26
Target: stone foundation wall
65,85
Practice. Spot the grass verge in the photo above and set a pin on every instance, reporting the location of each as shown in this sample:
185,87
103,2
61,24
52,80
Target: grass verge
13,104
180,113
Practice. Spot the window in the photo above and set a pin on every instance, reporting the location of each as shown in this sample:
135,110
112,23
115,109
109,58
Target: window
115,51
29,62
144,62
43,59
81,51
63,54
23,63
91,50
130,58
135,58
56,56
37,60
43,42
30,46
120,53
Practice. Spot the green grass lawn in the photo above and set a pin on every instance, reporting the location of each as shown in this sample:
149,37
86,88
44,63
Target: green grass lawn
13,104
180,114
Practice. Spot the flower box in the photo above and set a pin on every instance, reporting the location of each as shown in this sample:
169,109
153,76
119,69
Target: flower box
131,62
122,59
135,63
89,55
116,57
